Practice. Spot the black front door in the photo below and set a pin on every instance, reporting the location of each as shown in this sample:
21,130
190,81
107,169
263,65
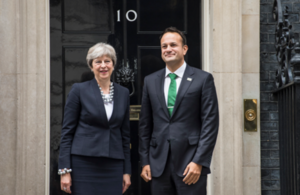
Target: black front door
132,27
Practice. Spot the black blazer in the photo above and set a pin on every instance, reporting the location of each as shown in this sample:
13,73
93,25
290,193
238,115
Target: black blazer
192,130
86,130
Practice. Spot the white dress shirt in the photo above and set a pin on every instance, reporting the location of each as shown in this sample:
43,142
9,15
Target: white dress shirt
108,108
179,72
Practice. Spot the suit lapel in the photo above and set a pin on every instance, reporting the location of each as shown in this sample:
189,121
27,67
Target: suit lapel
160,81
184,85
99,101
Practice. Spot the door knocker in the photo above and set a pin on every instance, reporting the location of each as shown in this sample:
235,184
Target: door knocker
124,76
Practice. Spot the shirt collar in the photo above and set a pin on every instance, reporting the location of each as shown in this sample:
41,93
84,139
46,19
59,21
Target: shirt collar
179,72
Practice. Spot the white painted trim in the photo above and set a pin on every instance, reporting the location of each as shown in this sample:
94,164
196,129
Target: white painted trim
47,152
206,57
206,36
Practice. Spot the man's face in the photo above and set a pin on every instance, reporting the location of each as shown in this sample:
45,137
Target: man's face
172,50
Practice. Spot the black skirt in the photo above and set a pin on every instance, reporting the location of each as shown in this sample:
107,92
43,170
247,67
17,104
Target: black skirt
96,176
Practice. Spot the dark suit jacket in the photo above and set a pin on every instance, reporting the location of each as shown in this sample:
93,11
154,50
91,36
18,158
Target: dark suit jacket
86,130
192,129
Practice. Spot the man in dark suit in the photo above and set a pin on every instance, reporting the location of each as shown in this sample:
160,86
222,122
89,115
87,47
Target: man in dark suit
179,122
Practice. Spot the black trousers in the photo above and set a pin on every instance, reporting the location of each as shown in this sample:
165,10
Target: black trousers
169,183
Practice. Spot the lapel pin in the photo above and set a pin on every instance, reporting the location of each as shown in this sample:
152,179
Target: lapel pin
189,79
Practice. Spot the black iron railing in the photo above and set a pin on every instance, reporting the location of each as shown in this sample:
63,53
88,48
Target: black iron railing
289,137
288,94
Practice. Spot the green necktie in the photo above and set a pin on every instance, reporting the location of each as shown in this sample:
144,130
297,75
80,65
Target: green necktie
172,93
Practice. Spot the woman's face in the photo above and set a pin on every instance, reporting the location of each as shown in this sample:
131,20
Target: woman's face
102,67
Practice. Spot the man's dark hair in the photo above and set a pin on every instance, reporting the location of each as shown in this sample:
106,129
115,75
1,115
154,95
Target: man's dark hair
174,30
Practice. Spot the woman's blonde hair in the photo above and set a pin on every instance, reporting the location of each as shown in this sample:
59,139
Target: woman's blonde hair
98,50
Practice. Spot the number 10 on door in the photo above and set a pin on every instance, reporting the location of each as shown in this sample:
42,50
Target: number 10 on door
127,15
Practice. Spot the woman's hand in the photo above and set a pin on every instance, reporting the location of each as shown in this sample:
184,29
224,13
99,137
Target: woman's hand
66,182
126,182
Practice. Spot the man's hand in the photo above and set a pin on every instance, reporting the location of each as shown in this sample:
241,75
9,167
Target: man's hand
192,172
146,173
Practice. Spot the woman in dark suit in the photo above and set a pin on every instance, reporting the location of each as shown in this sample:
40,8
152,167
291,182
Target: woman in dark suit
94,156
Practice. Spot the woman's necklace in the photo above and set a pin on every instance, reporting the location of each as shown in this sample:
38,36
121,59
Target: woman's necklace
108,98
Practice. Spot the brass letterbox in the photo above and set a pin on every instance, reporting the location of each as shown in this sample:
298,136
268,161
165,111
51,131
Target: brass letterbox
135,112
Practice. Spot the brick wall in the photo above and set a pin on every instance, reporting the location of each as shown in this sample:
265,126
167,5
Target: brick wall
270,173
